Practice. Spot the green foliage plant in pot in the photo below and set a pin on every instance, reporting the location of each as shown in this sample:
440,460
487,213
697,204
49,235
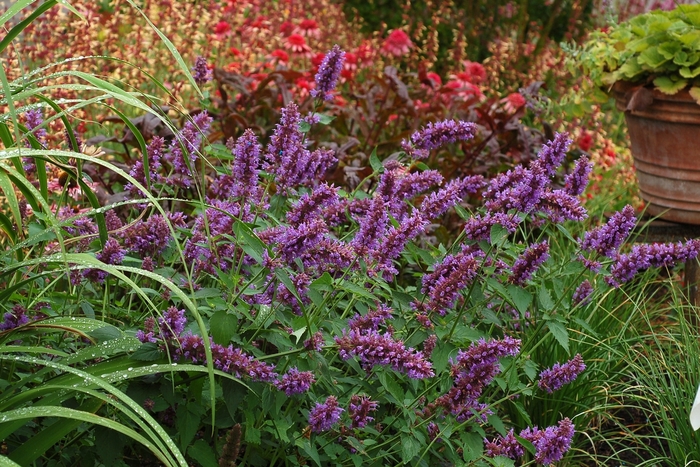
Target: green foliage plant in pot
651,66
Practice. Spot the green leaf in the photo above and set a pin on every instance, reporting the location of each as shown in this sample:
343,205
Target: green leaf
222,326
189,417
375,163
545,299
686,72
148,352
668,86
652,58
248,241
521,298
388,380
410,447
355,289
558,330
695,93
498,234
105,333
5,462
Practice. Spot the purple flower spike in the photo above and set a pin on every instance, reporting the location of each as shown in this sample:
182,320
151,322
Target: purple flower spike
529,261
435,135
607,239
328,73
295,382
15,318
582,294
112,253
372,320
200,72
576,182
553,154
644,256
507,446
551,443
172,323
436,204
325,415
359,408
560,374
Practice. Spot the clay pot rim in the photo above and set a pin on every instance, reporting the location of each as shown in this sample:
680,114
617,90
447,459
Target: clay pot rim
621,89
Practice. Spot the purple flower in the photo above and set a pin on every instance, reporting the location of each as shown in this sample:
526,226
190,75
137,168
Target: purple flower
112,253
190,137
315,342
328,73
294,241
295,382
435,135
520,189
507,446
172,323
552,154
372,227
560,374
551,443
200,72
148,238
325,415
372,320
474,369
395,241
582,294
559,206
15,318
311,204
292,164
373,348
436,204
444,285
605,240
526,265
154,154
644,256
243,180
479,226
359,408
429,345
576,182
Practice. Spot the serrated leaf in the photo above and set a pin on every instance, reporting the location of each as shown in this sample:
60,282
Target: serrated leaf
355,289
560,333
545,299
203,453
498,234
686,72
248,241
521,298
222,326
148,352
375,163
388,381
299,333
668,86
652,58
410,447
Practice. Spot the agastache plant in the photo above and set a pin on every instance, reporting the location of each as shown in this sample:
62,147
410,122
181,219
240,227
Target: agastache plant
337,321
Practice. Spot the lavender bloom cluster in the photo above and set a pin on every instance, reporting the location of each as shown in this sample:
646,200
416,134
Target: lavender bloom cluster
444,285
190,137
550,444
295,382
560,374
435,135
14,318
359,409
474,369
200,71
325,415
373,348
645,256
607,239
328,73
526,265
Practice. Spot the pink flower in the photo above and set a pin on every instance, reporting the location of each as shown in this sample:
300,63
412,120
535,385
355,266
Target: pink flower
514,102
297,44
222,28
460,84
434,78
365,52
309,28
585,141
281,56
476,71
397,43
286,28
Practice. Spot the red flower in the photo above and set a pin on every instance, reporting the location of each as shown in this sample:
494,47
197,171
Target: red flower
365,52
585,141
235,52
286,28
309,28
317,59
435,78
514,102
222,28
476,71
281,56
397,43
297,44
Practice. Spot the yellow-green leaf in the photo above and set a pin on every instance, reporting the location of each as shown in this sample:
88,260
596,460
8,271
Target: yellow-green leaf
668,86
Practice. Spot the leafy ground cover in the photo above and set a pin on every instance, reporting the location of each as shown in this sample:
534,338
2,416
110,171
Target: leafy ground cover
314,250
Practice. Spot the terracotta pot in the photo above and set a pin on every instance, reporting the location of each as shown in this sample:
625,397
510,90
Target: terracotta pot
665,135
